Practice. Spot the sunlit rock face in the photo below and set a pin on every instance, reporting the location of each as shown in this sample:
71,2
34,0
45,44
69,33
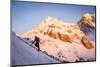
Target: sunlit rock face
87,42
69,42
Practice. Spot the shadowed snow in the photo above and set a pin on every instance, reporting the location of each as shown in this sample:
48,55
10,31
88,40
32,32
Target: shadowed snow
23,54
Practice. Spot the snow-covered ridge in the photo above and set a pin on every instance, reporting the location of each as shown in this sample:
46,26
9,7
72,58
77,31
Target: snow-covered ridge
67,41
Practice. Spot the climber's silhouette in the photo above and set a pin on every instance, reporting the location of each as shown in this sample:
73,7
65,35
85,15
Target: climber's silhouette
36,42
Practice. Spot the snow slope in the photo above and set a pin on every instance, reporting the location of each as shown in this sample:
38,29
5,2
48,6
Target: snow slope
23,54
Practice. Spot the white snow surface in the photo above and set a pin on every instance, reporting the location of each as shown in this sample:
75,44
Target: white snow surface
65,51
23,54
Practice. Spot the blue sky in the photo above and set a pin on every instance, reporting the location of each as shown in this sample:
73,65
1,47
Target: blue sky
27,15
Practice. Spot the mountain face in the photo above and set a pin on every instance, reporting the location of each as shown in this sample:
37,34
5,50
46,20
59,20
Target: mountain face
67,41
87,25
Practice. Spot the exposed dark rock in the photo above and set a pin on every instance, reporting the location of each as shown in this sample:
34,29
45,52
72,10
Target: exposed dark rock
87,43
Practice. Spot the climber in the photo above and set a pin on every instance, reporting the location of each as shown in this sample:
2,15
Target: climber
36,42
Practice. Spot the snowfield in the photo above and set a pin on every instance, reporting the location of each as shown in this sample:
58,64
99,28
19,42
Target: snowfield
23,54
66,52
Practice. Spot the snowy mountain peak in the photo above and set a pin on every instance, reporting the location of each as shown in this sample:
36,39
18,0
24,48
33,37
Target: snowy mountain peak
87,25
52,20
57,29
88,19
49,18
67,39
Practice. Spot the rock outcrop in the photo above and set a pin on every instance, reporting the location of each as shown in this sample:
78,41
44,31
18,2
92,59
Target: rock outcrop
65,38
53,34
87,42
